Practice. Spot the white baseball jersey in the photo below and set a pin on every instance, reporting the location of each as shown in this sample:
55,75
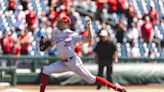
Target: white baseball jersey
65,42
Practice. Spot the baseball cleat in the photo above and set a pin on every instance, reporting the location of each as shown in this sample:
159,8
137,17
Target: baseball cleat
119,88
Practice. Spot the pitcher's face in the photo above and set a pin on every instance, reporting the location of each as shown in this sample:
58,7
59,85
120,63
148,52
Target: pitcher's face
62,25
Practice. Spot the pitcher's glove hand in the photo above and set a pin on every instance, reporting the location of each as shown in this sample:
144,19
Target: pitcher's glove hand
42,40
119,88
44,43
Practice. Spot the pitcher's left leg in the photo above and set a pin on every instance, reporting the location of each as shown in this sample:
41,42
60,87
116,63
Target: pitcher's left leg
79,69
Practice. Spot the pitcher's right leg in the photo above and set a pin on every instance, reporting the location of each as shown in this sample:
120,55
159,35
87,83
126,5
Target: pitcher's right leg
56,67
43,82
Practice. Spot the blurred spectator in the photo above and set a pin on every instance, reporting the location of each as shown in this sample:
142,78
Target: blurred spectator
73,20
54,4
162,23
6,42
147,30
105,50
134,51
139,21
20,18
130,13
112,4
67,4
133,34
116,6
151,53
121,6
12,5
15,48
25,41
100,6
31,19
52,15
50,2
1,50
14,36
24,3
120,31
62,11
104,25
153,14
127,4
61,7
162,20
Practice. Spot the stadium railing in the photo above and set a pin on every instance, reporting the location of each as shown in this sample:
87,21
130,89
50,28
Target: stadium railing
9,70
35,59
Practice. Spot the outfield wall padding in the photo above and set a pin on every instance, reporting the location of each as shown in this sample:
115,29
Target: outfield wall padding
128,73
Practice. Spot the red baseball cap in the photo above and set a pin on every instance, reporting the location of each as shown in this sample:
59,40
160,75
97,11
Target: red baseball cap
66,19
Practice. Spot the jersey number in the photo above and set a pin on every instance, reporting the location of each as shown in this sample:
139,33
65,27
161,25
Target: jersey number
67,43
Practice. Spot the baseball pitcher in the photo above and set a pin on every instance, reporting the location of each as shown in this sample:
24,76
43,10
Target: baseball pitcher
65,41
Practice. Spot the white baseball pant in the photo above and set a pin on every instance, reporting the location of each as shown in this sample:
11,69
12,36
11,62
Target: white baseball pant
75,65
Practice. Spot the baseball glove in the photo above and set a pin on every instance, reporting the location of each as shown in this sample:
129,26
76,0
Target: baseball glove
44,43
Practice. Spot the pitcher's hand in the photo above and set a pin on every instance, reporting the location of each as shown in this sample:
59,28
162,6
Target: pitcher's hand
88,20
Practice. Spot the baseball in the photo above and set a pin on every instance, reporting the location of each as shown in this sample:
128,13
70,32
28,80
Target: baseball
88,19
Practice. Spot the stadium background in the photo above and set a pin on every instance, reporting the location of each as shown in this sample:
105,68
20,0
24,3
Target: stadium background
25,21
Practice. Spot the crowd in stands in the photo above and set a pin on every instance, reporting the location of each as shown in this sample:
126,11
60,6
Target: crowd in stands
136,26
